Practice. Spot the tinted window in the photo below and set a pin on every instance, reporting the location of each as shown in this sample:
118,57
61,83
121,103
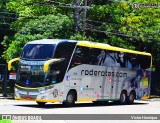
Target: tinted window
132,61
64,50
38,51
94,56
145,61
81,56
57,72
94,53
108,58
31,76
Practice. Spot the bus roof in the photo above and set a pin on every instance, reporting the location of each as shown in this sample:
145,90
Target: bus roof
108,47
87,44
50,41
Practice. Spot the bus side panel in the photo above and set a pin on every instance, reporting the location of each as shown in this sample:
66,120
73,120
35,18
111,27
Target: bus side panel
82,82
138,80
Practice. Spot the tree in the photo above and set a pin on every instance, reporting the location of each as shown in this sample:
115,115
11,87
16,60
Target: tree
127,26
6,18
116,23
50,26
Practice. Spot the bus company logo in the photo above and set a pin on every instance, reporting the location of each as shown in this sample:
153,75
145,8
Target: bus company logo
135,5
32,62
103,73
55,93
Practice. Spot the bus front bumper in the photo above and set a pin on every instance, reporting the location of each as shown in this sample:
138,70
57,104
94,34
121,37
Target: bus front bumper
38,95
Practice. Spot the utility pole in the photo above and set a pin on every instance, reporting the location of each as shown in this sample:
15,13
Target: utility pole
80,12
84,18
76,15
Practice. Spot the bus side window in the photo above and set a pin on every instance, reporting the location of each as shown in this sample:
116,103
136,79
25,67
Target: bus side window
64,50
145,61
76,60
107,58
94,53
121,58
57,72
81,56
132,61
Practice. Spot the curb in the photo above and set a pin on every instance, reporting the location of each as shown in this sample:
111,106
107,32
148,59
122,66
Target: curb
153,96
9,96
6,98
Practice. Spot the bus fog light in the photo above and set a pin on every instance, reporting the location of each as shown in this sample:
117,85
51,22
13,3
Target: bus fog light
43,97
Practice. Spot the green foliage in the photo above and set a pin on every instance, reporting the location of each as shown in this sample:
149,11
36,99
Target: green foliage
44,27
128,27
28,9
81,37
115,23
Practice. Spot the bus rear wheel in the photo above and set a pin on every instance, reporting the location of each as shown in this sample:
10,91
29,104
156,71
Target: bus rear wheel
41,103
123,98
70,99
131,97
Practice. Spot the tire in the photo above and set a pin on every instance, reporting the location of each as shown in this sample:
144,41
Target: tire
41,103
70,99
131,97
123,98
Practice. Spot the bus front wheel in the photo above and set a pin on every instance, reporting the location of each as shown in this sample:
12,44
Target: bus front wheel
70,99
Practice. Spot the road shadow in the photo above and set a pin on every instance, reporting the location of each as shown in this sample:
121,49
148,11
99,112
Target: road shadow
52,106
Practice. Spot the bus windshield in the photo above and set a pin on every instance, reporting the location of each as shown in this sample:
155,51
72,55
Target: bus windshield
32,76
38,51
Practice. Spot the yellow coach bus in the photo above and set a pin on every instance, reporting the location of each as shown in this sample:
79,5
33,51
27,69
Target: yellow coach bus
67,71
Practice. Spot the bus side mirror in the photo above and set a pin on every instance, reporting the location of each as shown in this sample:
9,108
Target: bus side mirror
47,63
11,61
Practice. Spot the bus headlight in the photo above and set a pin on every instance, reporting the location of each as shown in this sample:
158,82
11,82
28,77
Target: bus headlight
42,92
15,89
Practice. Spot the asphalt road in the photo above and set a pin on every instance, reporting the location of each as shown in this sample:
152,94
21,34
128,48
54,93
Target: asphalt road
148,107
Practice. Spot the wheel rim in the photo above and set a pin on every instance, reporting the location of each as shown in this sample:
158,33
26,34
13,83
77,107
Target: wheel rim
131,97
70,98
123,98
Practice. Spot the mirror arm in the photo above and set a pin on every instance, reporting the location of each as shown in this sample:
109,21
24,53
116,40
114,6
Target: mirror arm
47,63
11,61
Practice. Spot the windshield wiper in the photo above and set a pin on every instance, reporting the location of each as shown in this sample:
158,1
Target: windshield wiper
37,84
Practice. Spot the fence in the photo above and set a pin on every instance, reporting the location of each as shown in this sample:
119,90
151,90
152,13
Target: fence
6,85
